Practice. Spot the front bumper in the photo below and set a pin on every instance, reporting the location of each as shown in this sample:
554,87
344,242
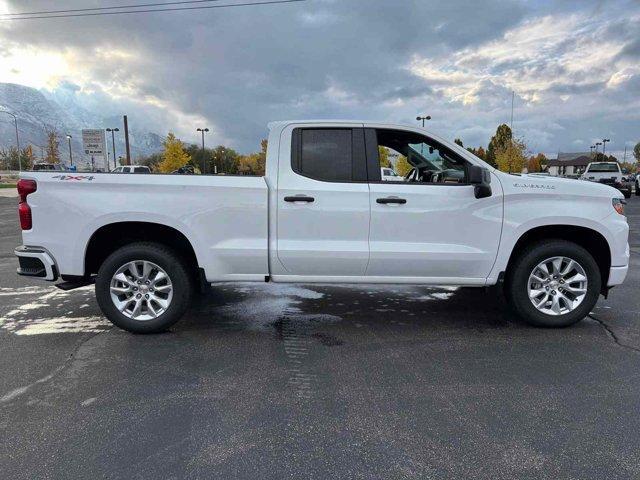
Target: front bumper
36,262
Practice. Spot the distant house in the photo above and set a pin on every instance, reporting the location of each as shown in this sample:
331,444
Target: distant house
569,164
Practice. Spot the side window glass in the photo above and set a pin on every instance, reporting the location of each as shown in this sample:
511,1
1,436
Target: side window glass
324,154
418,159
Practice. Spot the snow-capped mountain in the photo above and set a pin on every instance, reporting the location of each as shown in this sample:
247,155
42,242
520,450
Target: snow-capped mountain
39,112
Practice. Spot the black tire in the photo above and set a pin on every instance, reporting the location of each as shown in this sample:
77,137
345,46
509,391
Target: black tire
637,190
518,275
170,262
627,193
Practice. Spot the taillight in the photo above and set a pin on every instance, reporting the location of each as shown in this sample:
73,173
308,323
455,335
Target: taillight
25,187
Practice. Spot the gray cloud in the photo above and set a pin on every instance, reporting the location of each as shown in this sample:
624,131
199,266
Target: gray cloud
240,68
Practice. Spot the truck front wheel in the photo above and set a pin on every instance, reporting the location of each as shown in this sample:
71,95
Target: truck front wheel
553,283
144,287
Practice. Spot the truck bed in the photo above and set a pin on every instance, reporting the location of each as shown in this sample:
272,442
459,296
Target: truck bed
225,218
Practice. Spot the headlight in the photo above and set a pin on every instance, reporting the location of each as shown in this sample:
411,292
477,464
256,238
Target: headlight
618,205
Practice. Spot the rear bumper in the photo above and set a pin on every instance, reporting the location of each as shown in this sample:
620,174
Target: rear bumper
36,262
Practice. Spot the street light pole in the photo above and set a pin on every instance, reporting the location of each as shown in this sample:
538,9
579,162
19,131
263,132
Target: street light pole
427,117
597,143
15,122
204,163
113,144
591,151
70,154
604,145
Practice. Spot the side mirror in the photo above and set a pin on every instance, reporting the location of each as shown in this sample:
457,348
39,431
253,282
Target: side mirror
480,178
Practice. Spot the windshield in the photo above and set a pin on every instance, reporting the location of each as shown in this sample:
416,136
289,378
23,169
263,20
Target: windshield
604,167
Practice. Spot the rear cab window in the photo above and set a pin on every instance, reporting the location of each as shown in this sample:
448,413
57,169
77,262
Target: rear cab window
329,154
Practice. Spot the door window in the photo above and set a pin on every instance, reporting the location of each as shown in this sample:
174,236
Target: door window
329,154
427,161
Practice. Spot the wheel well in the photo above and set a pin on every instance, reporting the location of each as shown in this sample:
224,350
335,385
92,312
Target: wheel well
109,238
590,240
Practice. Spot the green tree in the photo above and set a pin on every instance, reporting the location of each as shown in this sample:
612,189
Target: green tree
53,150
499,142
226,160
152,161
12,160
383,157
457,141
636,152
512,156
173,156
478,152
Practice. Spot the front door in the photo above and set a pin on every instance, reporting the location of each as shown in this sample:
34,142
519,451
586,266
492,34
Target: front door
430,227
323,203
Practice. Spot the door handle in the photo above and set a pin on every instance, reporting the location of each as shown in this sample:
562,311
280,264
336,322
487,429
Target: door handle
299,198
396,200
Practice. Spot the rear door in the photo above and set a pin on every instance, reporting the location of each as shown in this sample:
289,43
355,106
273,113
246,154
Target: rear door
430,228
322,202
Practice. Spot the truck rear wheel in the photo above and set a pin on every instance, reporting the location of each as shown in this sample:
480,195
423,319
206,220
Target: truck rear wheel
554,283
144,287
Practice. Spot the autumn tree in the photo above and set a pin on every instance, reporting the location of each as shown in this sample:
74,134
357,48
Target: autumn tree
478,152
403,166
174,155
53,150
254,164
383,157
512,156
499,142
535,163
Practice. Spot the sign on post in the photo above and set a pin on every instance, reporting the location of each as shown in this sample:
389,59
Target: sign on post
94,145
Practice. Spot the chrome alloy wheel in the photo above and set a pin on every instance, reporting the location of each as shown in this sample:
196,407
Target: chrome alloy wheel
141,290
557,285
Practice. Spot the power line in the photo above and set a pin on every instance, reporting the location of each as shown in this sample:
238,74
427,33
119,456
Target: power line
119,7
175,9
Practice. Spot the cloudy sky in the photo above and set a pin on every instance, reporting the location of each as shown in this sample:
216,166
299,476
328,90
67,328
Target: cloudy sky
574,66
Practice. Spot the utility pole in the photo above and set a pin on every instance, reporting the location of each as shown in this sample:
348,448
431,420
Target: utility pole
513,95
15,122
126,140
70,154
204,161
113,143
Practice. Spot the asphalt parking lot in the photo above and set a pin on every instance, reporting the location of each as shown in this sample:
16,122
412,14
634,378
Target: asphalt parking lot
268,381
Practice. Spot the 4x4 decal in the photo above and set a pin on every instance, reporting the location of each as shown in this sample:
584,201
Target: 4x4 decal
75,177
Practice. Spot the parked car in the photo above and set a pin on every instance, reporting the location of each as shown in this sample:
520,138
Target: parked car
637,182
322,213
52,167
389,175
185,170
608,173
132,169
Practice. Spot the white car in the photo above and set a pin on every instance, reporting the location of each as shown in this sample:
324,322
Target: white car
608,173
131,169
322,213
389,175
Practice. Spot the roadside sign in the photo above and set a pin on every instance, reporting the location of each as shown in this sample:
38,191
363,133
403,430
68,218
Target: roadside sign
93,142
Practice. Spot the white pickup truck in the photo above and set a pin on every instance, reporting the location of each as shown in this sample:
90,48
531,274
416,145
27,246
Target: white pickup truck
322,214
609,173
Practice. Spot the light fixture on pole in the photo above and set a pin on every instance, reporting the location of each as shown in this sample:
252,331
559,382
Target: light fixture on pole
204,163
591,151
604,145
15,122
113,143
427,117
70,154
597,143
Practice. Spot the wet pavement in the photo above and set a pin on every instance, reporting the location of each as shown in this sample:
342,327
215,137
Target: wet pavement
316,381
